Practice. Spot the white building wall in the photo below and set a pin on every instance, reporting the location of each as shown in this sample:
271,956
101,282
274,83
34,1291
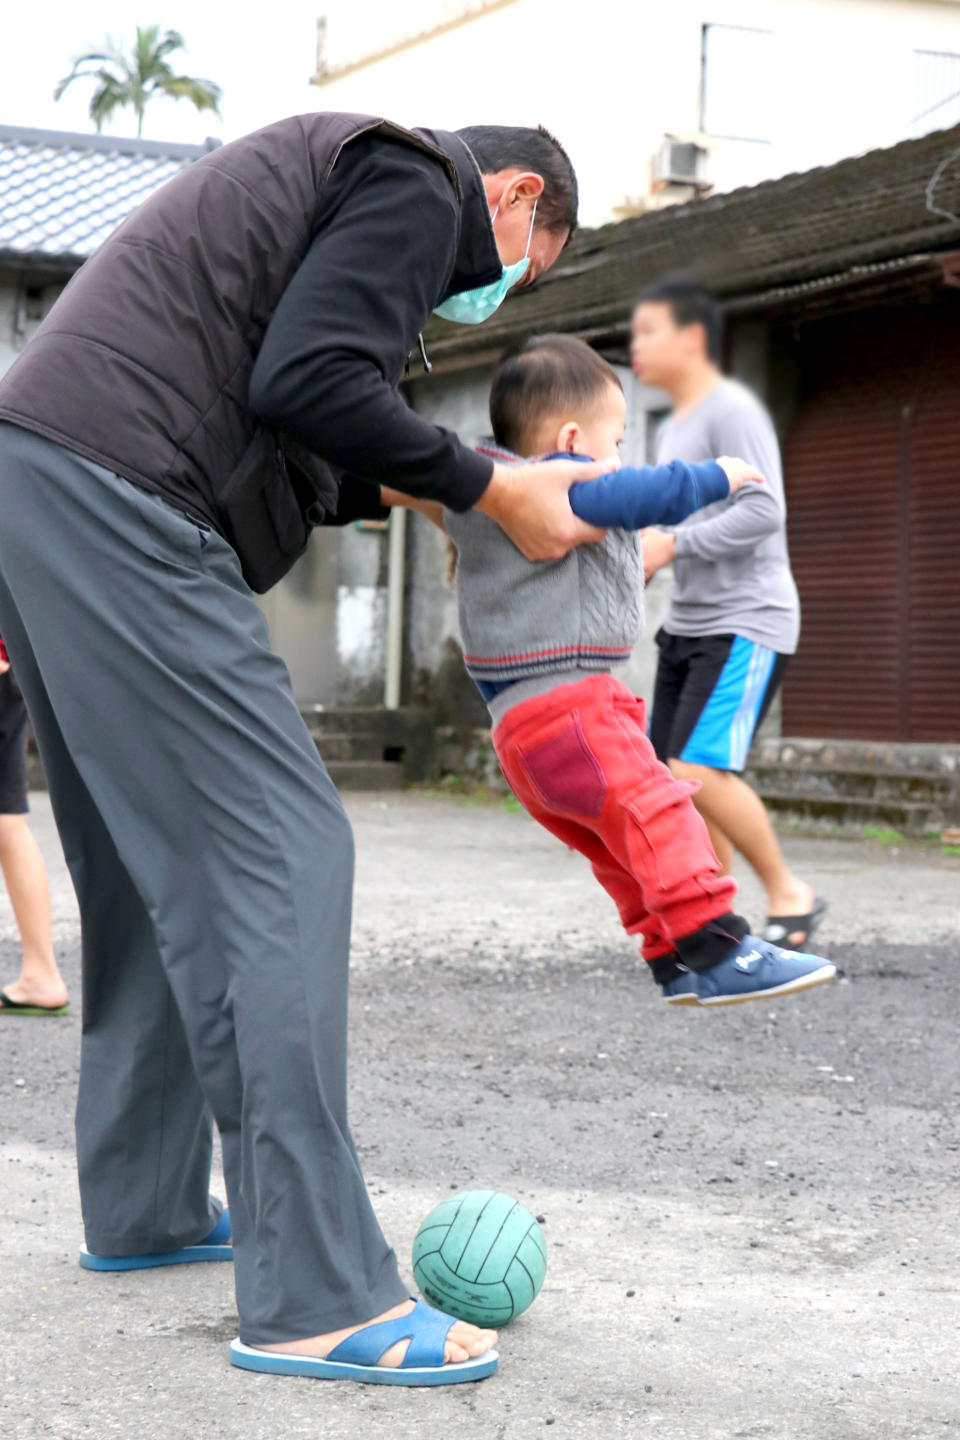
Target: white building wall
611,79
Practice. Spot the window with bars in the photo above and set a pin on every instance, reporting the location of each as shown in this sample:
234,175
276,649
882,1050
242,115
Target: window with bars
936,91
736,82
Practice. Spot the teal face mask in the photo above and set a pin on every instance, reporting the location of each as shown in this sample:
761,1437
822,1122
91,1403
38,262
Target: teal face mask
472,307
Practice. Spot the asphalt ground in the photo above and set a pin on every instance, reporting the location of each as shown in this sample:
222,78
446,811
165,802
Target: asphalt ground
751,1214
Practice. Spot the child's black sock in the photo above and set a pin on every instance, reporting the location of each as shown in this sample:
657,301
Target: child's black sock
703,949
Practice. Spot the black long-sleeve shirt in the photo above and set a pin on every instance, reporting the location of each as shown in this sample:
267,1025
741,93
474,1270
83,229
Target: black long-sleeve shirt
385,253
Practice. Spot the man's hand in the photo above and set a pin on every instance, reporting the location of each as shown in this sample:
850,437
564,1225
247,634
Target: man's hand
738,472
531,503
658,549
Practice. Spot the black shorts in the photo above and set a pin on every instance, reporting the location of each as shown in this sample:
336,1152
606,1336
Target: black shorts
711,695
13,748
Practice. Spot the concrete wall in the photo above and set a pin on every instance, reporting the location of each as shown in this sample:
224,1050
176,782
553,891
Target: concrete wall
328,618
433,667
25,298
839,78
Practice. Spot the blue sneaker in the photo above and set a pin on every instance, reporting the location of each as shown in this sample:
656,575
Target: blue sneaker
756,970
682,990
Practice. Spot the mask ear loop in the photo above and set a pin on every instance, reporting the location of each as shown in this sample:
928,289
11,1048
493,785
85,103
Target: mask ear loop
533,216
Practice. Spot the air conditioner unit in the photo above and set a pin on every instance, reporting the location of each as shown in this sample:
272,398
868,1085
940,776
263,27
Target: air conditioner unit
679,162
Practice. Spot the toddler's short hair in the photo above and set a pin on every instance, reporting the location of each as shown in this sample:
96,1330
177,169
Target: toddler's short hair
547,375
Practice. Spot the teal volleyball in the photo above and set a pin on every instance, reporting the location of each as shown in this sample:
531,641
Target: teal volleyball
480,1256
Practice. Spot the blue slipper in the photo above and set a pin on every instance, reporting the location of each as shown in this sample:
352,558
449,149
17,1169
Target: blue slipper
215,1247
356,1357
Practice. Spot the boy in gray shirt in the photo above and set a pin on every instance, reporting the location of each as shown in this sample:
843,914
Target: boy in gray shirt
540,640
734,615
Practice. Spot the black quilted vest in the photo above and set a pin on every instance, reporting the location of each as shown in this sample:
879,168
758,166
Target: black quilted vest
143,365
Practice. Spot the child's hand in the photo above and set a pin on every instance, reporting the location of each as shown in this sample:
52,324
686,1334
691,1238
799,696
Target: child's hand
658,548
738,472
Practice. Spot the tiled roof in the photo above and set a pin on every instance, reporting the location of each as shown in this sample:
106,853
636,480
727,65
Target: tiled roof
794,232
62,194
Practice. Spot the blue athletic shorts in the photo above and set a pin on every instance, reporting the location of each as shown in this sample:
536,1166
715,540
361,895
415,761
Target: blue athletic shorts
711,694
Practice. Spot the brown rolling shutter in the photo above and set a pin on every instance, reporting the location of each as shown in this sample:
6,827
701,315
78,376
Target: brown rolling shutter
932,622
872,468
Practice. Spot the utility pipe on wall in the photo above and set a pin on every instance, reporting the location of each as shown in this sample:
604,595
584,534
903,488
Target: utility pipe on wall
396,558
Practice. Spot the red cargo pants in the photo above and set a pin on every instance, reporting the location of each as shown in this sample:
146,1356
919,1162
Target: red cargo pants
579,761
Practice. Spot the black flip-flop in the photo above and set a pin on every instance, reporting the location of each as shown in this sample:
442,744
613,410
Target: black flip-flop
780,927
17,1007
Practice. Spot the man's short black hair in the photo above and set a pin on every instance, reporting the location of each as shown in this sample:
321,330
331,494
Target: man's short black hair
516,147
691,303
548,375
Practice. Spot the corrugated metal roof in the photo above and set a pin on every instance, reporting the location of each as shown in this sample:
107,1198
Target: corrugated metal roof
61,194
836,219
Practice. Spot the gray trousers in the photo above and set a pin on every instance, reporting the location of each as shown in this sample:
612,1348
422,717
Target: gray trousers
213,865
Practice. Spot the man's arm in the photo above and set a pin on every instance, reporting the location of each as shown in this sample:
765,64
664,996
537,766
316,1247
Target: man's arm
649,494
432,509
754,514
338,341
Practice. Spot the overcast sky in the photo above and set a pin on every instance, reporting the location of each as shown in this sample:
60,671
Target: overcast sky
263,65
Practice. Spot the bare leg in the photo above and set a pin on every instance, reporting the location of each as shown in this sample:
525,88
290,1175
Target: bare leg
727,803
40,982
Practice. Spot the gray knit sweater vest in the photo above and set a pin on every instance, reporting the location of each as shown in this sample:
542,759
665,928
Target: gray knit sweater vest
521,618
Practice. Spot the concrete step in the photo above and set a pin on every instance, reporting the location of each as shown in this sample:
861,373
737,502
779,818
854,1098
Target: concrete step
334,746
894,757
855,782
369,720
405,737
909,787
911,817
366,774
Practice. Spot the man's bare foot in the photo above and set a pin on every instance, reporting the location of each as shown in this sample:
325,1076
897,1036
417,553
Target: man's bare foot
463,1342
796,898
51,994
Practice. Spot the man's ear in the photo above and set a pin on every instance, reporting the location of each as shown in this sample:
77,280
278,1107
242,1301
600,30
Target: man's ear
527,185
697,341
569,438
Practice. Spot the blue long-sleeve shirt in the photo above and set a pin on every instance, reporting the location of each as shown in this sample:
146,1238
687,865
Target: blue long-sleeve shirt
636,496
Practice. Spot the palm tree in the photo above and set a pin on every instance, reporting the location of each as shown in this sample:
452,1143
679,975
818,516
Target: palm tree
139,77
